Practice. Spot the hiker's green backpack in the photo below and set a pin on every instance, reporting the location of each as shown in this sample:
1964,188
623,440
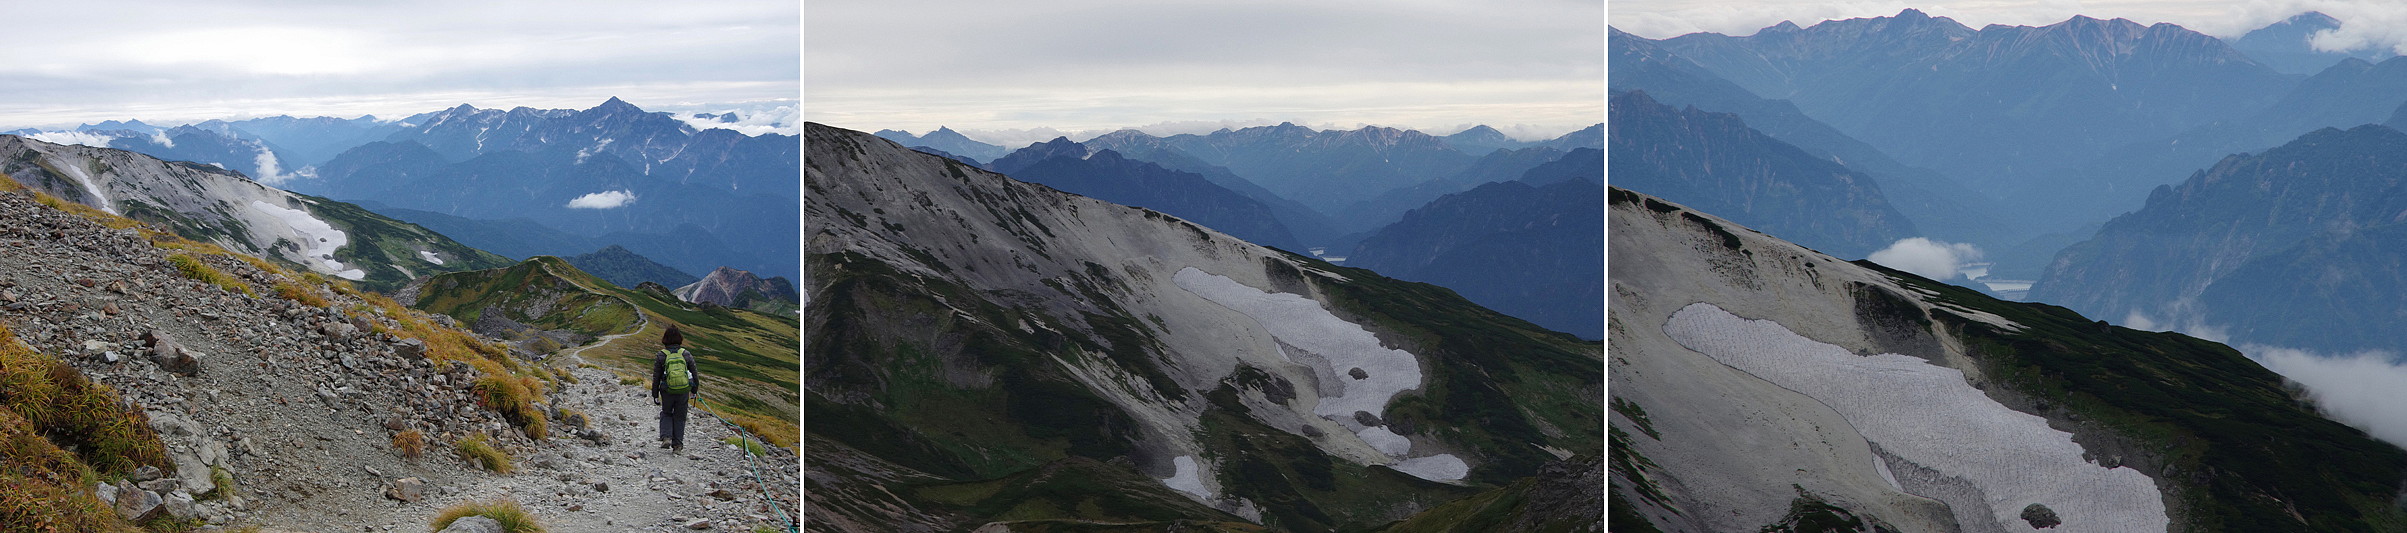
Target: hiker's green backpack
680,371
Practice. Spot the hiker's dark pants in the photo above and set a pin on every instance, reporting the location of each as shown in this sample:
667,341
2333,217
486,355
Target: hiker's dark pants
672,418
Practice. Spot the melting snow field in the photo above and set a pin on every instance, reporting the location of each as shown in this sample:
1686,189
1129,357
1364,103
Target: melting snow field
1928,415
430,257
1187,479
1301,322
318,239
1347,349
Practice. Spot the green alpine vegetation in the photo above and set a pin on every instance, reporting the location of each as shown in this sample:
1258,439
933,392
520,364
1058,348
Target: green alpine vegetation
748,359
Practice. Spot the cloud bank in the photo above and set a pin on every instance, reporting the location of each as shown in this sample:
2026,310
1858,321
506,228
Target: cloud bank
754,119
2360,389
1927,258
189,61
94,140
1078,65
602,200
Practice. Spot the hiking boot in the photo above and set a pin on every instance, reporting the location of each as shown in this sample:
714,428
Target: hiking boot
664,445
678,449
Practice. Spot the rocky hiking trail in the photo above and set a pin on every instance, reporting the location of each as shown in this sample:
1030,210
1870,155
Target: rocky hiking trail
298,404
630,483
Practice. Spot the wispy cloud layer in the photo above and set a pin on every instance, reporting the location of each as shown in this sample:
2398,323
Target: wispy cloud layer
89,61
1078,65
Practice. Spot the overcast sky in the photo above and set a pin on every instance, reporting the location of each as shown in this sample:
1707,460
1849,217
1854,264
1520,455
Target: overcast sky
1092,64
2365,22
174,60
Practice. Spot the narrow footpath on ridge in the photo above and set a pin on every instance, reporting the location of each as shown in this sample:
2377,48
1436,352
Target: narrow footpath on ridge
624,481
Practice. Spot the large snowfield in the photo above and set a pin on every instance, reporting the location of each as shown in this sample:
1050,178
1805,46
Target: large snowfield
1344,350
1928,415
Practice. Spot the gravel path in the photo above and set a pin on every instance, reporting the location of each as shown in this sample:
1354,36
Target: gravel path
648,488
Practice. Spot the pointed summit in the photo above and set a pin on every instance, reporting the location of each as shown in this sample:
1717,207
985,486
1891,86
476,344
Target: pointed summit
617,105
1037,153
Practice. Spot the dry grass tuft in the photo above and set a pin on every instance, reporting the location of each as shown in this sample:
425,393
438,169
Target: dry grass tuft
513,518
412,443
479,448
194,268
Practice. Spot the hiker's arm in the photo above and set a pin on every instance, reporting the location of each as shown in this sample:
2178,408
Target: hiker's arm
659,369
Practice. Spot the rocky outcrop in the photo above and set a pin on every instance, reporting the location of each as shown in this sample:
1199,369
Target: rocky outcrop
728,287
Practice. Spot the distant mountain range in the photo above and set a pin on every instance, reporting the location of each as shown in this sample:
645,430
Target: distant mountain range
2287,46
1107,175
1527,247
1938,205
946,140
2296,246
2001,108
625,268
1714,161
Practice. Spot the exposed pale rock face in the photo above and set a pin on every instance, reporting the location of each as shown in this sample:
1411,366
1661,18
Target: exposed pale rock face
734,288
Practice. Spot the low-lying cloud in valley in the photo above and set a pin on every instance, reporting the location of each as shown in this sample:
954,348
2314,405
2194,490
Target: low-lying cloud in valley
2360,389
1937,260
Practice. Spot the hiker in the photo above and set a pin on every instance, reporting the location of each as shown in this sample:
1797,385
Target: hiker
673,380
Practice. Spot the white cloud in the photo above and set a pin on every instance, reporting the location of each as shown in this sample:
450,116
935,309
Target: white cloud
73,137
755,119
602,200
1927,258
2360,389
271,171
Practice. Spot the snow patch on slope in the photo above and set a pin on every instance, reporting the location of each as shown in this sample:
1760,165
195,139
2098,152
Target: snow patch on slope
1301,322
1187,479
91,186
318,239
1342,349
1930,416
430,257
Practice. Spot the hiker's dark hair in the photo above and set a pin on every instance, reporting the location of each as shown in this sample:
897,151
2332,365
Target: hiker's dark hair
672,338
